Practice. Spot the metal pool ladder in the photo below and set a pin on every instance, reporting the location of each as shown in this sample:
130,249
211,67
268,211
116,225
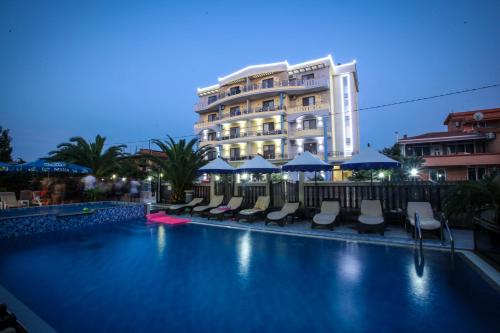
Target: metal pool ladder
444,221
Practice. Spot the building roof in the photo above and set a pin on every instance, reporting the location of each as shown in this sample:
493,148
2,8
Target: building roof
278,67
158,153
442,136
466,116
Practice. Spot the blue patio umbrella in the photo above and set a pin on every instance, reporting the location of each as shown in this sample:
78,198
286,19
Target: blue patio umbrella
43,165
217,166
370,159
307,162
258,165
6,167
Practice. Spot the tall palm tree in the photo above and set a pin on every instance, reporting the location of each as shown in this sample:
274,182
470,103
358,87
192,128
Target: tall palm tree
90,154
181,164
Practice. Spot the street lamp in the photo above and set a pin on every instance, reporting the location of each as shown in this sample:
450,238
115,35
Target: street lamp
414,172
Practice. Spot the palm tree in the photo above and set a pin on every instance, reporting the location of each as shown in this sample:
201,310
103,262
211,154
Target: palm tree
472,196
90,154
181,164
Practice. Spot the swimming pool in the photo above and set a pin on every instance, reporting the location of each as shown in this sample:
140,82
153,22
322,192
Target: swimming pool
193,278
56,209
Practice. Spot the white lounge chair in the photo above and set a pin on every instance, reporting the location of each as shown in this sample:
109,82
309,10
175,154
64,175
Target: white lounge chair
175,209
327,216
371,218
260,207
280,217
428,222
215,202
9,200
231,208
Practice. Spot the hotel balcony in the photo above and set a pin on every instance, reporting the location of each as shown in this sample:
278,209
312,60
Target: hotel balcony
271,157
312,132
259,112
257,91
252,136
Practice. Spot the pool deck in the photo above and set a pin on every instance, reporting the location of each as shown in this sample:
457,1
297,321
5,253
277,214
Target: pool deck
394,235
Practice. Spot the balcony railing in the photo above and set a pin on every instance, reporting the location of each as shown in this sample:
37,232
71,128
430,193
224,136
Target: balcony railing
245,112
308,108
228,136
274,156
255,88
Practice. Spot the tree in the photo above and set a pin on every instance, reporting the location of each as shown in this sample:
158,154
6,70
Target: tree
181,164
407,162
5,145
90,154
471,196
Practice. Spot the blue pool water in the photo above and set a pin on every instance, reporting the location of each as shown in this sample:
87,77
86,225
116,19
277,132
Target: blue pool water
55,209
193,278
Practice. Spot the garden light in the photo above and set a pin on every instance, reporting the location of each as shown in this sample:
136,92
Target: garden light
414,172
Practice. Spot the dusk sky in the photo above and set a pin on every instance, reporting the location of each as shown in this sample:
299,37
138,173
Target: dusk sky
129,69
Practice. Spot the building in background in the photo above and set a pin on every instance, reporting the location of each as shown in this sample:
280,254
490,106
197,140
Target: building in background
468,150
279,110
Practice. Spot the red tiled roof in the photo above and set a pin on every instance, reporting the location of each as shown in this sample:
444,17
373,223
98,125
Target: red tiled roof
442,136
489,114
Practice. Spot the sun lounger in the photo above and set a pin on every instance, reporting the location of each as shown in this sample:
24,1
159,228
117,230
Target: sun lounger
280,217
9,200
328,215
232,207
428,222
371,218
176,209
259,209
215,202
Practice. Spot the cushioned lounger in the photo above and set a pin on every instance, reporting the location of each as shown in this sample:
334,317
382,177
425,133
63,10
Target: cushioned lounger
231,208
280,217
215,201
260,207
9,200
175,209
328,215
427,220
371,218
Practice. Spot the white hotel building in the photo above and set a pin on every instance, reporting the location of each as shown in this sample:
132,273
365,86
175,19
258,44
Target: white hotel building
279,110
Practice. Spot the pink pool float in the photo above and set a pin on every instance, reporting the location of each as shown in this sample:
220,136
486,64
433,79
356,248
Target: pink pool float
161,217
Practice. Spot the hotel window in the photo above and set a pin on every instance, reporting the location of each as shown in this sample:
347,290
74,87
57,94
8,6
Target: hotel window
268,127
348,141
212,117
308,76
234,90
234,154
267,83
268,151
347,121
310,100
212,154
234,111
309,124
437,175
476,173
268,105
234,132
480,147
212,99
212,136
311,147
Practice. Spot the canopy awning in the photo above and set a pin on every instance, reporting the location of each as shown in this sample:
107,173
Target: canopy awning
43,165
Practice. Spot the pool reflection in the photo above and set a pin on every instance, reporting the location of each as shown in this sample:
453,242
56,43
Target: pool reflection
161,240
244,250
419,278
350,266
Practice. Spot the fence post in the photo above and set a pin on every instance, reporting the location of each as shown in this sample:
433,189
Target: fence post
212,186
301,188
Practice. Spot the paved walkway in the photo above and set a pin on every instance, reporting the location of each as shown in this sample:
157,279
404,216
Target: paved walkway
394,235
